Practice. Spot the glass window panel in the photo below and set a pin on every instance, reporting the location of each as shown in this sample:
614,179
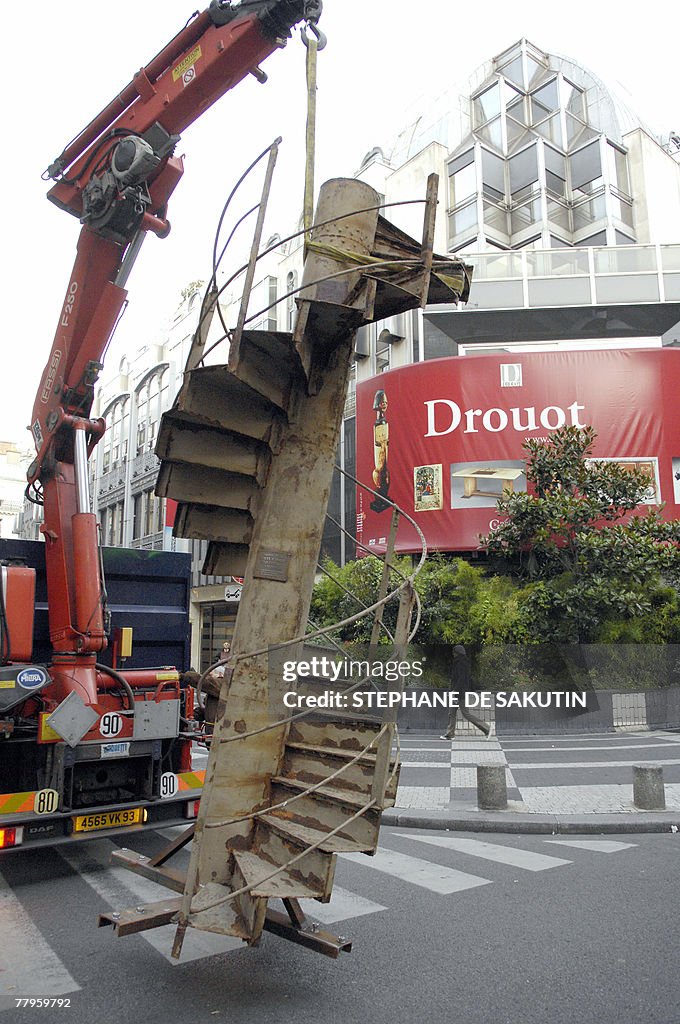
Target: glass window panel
554,184
544,101
622,210
517,109
492,132
551,129
670,258
514,71
555,162
535,70
641,259
559,214
137,517
497,266
462,185
486,105
567,262
531,243
119,523
574,100
493,174
496,218
517,135
525,216
464,219
459,162
586,167
509,92
618,169
586,213
523,169
558,243
577,133
598,239
622,239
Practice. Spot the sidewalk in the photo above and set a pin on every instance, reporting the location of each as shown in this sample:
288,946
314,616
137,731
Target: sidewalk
556,784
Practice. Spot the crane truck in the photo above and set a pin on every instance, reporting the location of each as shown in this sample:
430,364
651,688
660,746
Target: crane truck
86,747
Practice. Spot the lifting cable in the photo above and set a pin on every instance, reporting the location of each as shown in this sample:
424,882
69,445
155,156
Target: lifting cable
314,41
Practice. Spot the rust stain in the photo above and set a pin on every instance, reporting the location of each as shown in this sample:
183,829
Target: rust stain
240,726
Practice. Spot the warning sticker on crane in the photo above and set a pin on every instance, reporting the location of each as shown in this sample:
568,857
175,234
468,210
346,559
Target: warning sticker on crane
187,64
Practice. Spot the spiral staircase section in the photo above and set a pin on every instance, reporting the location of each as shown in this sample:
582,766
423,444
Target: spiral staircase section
248,452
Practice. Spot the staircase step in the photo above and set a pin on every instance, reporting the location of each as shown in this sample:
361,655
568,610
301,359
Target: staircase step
303,763
261,366
180,441
326,809
225,559
203,485
213,396
328,793
276,346
305,835
334,732
276,844
287,884
338,752
208,522
223,919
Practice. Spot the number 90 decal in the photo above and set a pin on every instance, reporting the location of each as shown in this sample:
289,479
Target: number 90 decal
110,724
169,784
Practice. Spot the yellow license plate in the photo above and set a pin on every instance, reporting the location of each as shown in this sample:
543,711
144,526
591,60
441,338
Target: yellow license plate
111,819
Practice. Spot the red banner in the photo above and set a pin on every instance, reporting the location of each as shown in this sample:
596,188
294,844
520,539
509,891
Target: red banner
443,439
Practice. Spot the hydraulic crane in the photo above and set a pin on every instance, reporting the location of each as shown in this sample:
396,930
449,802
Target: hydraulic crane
117,177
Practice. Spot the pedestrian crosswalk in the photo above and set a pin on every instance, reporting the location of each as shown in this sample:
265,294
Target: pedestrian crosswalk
444,865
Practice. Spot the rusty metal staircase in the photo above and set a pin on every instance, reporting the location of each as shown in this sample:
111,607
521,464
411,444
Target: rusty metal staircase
248,452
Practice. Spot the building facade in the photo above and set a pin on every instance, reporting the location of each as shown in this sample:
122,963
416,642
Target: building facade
14,462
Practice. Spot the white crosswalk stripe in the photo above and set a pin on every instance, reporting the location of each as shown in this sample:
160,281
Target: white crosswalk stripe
343,905
527,860
594,845
28,964
120,888
430,876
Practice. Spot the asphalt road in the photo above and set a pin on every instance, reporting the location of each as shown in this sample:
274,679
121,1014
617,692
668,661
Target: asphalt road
516,929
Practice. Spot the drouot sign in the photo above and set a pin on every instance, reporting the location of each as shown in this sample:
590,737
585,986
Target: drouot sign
444,438
445,416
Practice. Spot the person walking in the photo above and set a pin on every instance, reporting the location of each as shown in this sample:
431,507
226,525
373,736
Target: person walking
461,681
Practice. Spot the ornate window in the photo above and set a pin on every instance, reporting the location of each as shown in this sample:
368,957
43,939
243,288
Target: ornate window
152,400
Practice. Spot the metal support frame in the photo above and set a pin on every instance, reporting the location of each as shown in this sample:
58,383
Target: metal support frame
296,927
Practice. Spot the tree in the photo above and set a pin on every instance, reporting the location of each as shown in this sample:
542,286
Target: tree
586,562
459,604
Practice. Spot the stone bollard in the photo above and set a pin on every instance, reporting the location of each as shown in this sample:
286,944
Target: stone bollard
648,789
492,791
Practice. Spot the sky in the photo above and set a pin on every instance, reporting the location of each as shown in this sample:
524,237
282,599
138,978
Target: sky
63,63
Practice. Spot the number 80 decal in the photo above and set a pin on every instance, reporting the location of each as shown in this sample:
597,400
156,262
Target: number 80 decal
46,801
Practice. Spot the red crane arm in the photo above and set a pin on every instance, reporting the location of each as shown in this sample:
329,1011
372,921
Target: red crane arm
214,52
117,177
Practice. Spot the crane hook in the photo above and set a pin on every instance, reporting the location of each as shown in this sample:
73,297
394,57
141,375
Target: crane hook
321,39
